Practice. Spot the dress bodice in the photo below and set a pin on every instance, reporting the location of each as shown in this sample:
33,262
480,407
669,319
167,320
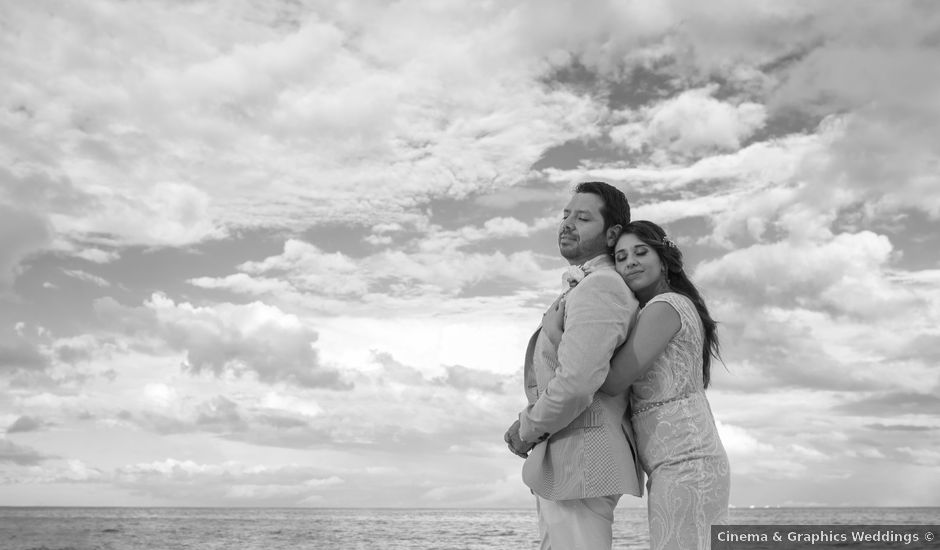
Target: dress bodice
678,371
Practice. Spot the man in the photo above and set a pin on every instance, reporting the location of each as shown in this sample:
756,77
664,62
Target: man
576,441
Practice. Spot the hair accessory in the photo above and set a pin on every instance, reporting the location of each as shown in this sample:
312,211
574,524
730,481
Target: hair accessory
668,243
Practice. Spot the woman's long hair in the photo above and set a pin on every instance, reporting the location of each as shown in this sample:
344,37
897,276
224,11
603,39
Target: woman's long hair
655,237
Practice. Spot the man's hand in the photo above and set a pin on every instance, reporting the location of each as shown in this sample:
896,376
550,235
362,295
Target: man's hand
518,447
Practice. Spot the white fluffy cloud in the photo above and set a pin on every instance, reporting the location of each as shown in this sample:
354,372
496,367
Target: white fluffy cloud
693,123
228,338
160,214
276,346
428,269
846,270
319,113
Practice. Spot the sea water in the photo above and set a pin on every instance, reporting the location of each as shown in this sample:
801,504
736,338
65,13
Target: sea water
355,529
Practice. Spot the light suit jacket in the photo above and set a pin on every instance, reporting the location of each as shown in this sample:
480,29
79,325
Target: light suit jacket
589,450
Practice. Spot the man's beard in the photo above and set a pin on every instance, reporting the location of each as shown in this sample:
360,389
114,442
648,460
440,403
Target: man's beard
591,247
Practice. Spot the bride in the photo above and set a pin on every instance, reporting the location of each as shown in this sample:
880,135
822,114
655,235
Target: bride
666,360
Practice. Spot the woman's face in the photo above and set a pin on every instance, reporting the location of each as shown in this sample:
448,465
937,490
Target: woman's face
637,262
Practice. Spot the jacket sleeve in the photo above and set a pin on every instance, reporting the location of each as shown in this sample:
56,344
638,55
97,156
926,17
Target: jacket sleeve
528,374
597,318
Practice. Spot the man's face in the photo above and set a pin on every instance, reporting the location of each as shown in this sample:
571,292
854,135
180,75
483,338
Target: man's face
581,234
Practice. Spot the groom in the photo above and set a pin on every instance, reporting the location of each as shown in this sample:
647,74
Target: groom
577,444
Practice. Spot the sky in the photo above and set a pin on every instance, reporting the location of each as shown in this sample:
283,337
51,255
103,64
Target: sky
290,252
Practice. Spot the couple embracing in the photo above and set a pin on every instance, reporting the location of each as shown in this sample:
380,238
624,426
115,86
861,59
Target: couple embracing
615,380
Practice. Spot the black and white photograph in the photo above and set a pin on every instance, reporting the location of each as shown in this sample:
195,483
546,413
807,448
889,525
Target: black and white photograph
476,274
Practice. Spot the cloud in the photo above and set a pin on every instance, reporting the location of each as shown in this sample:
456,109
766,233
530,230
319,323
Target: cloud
894,403
478,395
922,457
767,450
21,234
410,412
25,424
282,422
901,427
396,371
311,268
97,255
741,193
315,108
200,483
34,357
875,74
752,457
431,271
831,313
229,338
512,197
794,272
20,352
219,483
492,230
872,151
924,347
278,401
155,422
429,124
168,214
691,124
87,277
19,455
738,441
245,418
53,471
242,283
84,348
220,413
466,378
276,346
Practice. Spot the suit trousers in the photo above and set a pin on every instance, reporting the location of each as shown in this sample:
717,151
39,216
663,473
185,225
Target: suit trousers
577,524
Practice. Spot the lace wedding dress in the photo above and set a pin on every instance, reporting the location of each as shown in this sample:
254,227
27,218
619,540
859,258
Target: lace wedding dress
678,444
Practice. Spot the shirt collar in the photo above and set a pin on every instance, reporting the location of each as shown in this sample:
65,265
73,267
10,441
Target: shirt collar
601,261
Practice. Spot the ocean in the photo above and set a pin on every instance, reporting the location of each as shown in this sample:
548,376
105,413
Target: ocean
355,529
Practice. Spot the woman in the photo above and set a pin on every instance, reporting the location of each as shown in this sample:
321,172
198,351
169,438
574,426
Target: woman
666,360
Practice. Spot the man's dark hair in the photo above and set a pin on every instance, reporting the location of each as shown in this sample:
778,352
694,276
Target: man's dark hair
616,209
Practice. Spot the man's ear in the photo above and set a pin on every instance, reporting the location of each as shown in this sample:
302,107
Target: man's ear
613,233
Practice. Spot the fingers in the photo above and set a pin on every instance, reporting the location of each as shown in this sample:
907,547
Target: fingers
511,434
517,453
